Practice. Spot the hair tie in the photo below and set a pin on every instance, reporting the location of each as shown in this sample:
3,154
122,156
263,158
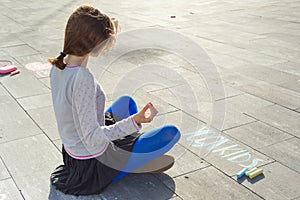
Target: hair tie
63,54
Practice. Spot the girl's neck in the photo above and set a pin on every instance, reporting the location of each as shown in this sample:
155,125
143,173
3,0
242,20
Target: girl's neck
72,60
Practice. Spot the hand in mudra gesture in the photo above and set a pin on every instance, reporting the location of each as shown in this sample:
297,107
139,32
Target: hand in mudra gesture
146,115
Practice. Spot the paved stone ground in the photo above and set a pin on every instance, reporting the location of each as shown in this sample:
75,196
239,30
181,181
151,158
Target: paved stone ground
255,46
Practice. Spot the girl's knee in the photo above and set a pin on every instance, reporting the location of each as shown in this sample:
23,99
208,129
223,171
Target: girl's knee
171,132
126,98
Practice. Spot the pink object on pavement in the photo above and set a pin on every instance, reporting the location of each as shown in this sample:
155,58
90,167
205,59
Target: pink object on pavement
7,69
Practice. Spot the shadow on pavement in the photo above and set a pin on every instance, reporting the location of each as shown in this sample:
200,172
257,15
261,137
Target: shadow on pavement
133,186
252,181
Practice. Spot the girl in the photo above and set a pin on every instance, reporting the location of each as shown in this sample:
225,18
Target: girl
99,146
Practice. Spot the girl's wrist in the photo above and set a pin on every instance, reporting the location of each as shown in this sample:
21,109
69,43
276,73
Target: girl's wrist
135,117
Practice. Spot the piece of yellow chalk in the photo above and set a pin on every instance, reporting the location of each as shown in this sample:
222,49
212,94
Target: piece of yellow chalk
251,170
256,173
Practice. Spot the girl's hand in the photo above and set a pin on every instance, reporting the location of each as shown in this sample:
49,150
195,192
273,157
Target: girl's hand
141,116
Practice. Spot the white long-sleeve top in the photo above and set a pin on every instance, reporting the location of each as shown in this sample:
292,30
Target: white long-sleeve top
79,101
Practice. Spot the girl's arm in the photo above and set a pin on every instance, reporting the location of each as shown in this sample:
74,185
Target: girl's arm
84,106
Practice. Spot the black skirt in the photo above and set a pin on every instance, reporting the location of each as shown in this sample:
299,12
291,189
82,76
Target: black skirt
92,176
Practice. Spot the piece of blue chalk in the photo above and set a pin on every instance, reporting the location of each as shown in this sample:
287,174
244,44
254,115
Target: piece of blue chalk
242,173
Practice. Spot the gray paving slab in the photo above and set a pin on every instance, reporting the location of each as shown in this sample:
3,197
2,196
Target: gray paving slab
203,109
292,85
142,98
46,81
225,61
286,152
246,103
279,117
240,53
264,90
232,119
116,85
34,102
205,184
284,38
30,162
277,41
45,118
270,75
277,182
58,144
185,162
121,66
138,186
11,27
228,92
20,50
222,32
8,190
255,47
8,40
14,122
183,121
24,84
24,60
258,134
197,82
230,156
278,51
3,171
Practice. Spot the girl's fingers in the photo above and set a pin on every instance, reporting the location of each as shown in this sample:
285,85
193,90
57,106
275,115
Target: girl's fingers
145,108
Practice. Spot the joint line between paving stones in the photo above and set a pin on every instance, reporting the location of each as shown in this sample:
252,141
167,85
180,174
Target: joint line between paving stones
240,124
228,97
233,179
155,90
278,142
40,79
296,198
274,103
21,138
20,191
237,182
169,112
233,45
273,126
188,114
29,115
229,136
13,20
192,171
241,141
274,161
156,177
32,96
209,39
3,179
35,95
210,164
